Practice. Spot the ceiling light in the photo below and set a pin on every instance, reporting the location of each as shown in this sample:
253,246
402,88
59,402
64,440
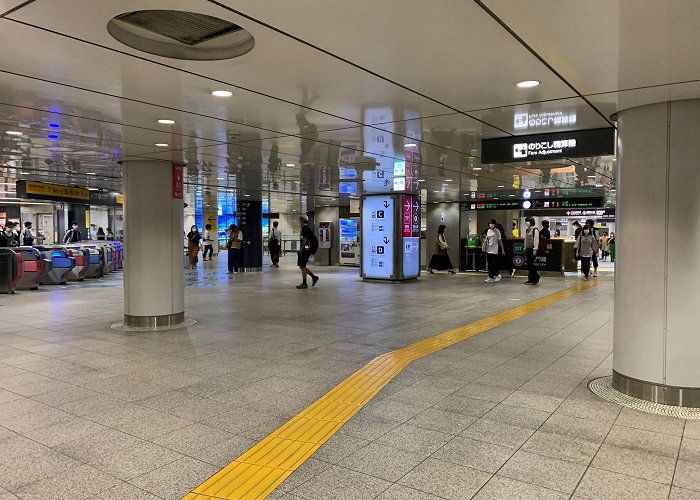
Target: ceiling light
161,145
410,145
90,173
92,189
246,195
448,180
27,173
166,122
289,165
54,125
476,168
421,180
13,132
53,137
222,93
501,186
512,195
591,176
526,84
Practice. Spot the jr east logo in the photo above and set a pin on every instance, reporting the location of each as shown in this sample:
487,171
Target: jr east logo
520,150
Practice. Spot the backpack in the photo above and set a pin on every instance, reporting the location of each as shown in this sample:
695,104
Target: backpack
313,245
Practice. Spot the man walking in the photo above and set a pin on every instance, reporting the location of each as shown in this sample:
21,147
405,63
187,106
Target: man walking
309,246
274,244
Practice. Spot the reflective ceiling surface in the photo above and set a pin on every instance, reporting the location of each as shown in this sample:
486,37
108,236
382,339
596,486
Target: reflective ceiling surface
323,78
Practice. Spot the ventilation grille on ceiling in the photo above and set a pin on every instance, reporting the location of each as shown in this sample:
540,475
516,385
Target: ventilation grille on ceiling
186,27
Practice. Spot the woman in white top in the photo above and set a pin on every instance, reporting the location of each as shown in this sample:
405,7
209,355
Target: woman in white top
208,241
493,245
440,260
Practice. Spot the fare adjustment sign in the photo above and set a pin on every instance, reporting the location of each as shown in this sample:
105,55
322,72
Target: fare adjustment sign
574,144
378,237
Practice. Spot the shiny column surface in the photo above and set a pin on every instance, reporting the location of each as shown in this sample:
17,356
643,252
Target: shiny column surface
154,288
656,348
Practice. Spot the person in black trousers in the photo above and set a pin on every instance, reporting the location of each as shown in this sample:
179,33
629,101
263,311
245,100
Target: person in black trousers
532,240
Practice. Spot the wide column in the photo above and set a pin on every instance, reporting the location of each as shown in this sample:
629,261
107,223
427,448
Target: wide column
657,299
154,288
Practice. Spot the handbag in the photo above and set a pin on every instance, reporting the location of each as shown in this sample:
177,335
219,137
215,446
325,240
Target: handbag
485,245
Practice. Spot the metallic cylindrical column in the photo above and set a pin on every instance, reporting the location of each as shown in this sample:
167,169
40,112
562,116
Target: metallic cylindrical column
657,298
154,288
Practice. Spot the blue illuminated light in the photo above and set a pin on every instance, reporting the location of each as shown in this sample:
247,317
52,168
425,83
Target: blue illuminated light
56,254
53,137
115,152
54,125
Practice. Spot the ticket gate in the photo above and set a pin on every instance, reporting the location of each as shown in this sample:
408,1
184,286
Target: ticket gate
34,267
63,263
81,256
9,270
108,263
120,254
95,261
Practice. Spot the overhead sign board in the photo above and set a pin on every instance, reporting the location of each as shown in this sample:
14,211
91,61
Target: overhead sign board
573,144
534,204
178,181
56,192
378,237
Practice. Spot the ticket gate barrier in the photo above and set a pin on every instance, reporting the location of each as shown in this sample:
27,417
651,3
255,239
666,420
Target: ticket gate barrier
9,269
62,261
108,263
34,267
95,261
118,251
80,255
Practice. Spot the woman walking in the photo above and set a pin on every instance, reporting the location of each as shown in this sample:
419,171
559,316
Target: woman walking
193,239
586,246
493,246
440,261
604,244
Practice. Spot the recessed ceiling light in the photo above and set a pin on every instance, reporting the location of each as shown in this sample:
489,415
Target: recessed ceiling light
27,173
53,137
512,195
591,176
410,145
501,186
54,125
92,189
222,93
90,173
161,145
13,132
166,122
289,165
526,84
448,180
246,195
421,180
476,168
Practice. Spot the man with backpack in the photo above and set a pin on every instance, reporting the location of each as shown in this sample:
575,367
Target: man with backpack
73,235
309,246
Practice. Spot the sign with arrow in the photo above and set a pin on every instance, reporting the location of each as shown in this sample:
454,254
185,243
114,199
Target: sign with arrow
212,219
378,225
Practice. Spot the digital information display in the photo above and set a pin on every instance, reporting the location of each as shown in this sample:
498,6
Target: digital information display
410,232
537,204
574,144
349,242
378,237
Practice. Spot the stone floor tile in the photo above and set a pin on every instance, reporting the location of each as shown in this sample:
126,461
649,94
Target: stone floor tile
339,483
599,411
78,483
65,431
6,495
676,494
490,431
692,429
191,438
690,450
543,471
132,462
650,422
535,401
503,488
394,410
575,427
469,407
442,421
487,457
566,448
309,469
635,463
414,439
123,492
18,446
604,485
174,480
339,447
224,452
516,415
445,480
368,427
687,475
398,492
652,442
95,446
384,462
27,469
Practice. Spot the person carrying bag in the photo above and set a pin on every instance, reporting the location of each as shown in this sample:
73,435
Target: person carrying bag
440,260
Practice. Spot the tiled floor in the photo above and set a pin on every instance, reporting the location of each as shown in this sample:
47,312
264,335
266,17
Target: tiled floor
88,412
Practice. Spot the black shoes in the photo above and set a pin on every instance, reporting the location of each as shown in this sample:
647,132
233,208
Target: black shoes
314,280
303,285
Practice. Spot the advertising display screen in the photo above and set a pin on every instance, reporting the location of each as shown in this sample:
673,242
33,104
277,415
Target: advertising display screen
349,242
378,237
573,144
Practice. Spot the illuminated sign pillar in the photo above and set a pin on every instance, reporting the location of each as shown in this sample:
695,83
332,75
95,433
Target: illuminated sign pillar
390,237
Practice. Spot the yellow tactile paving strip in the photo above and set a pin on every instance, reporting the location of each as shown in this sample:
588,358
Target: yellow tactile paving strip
261,469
